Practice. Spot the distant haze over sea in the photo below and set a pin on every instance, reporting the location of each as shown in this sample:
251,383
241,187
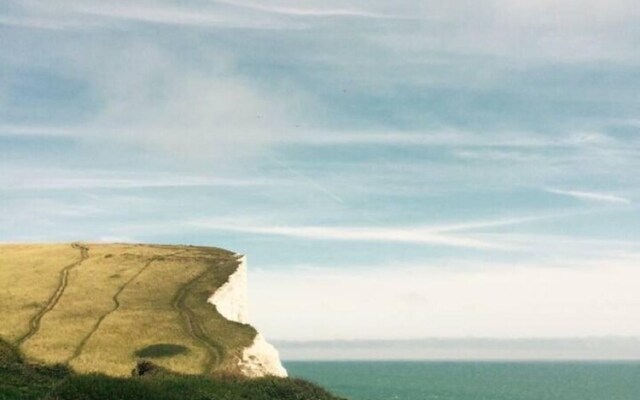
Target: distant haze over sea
602,348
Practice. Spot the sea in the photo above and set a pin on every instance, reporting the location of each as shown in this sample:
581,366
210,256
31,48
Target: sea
417,380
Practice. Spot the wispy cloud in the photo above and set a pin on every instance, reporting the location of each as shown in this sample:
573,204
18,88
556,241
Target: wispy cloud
311,12
188,16
73,14
442,235
42,23
20,179
457,137
38,130
591,196
309,181
366,234
474,225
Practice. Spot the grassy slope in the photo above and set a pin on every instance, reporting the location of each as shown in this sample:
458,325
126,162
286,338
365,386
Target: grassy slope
28,277
23,381
94,307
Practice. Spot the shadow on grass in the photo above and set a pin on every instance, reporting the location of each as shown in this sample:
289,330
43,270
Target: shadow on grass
161,350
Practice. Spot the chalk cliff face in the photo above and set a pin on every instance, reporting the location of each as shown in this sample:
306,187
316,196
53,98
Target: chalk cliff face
231,298
261,358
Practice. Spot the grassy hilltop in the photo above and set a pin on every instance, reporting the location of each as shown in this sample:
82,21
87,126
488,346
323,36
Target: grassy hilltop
76,321
100,308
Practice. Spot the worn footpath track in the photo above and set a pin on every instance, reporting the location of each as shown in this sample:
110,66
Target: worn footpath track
34,323
194,328
116,304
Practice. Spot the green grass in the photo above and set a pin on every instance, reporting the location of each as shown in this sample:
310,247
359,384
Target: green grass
23,381
96,307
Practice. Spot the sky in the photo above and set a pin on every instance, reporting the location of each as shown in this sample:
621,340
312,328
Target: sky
392,170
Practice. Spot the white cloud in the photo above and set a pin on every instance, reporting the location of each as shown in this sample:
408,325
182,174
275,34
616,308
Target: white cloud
592,196
151,98
190,114
191,103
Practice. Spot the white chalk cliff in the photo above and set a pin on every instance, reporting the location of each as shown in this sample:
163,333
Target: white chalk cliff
261,358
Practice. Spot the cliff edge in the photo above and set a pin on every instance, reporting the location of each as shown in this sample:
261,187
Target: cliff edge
103,308
261,358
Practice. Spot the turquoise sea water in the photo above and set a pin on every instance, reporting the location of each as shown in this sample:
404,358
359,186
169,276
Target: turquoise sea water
474,380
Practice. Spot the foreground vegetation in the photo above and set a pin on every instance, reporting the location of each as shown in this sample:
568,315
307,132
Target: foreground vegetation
100,308
20,380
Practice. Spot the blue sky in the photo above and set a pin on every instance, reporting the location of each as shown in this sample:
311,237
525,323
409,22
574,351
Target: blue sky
392,169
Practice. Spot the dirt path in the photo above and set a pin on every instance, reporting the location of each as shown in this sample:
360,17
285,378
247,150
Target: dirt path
194,328
116,303
34,323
